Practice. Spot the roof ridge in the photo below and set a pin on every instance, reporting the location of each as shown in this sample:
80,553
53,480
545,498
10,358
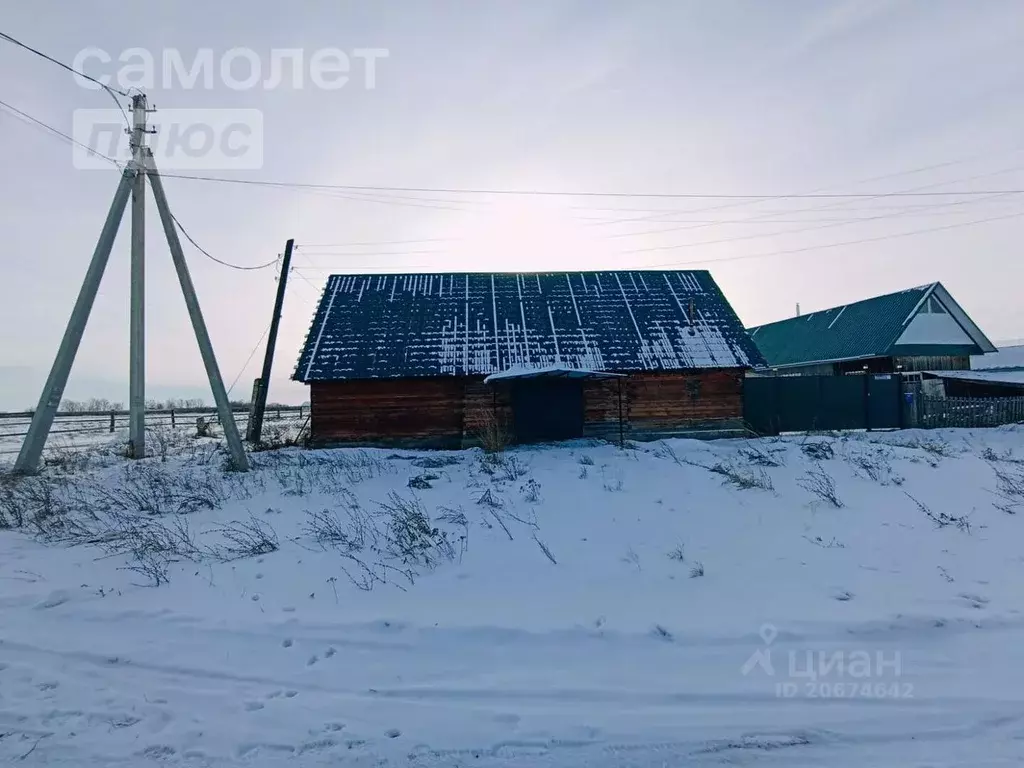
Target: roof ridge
926,287
523,272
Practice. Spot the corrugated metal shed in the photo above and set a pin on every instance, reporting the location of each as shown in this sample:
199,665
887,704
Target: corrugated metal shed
456,324
864,329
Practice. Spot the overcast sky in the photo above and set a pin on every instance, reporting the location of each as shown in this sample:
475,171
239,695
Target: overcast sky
677,96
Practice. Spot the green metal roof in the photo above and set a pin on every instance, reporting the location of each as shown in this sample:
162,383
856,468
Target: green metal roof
867,328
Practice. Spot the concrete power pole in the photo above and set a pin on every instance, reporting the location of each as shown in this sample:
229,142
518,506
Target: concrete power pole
132,183
53,390
220,394
137,317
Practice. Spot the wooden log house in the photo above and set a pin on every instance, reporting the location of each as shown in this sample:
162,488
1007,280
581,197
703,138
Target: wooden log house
438,360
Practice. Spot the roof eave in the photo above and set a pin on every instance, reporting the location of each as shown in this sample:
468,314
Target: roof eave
802,363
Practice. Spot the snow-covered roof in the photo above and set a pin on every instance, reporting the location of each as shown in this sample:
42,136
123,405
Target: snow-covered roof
988,377
425,325
549,371
1005,357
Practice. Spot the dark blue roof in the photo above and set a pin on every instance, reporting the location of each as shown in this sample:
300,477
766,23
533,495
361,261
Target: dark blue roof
394,326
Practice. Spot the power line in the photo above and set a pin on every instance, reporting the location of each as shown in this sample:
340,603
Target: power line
373,253
386,200
430,199
376,242
59,63
837,220
817,226
406,268
536,192
298,274
761,218
56,132
841,204
107,88
825,246
249,359
208,255
796,231
305,279
393,200
883,177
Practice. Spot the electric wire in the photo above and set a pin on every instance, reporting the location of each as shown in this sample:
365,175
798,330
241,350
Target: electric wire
210,256
112,91
56,132
249,359
535,192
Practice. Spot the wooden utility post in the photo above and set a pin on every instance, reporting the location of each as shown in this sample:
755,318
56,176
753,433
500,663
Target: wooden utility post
254,432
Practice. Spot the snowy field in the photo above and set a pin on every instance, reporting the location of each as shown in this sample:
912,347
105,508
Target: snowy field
805,601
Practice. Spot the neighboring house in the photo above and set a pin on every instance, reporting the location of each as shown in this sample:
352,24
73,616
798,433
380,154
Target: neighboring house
919,329
438,359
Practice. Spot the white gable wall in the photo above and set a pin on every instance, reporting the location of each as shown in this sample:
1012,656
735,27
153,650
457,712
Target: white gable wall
934,329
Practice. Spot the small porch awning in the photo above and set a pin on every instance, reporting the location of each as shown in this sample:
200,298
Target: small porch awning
550,372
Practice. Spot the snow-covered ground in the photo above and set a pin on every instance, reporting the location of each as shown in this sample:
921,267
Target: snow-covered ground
818,601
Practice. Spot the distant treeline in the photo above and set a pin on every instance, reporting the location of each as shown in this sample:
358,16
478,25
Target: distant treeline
102,404
94,404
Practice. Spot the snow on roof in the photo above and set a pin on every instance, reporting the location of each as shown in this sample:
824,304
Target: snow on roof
989,377
1005,357
427,325
551,371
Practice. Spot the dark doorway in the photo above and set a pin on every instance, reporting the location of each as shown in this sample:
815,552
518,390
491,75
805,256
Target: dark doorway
547,409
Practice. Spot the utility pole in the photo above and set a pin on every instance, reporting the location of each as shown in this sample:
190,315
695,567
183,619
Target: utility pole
220,394
137,316
259,401
53,390
142,164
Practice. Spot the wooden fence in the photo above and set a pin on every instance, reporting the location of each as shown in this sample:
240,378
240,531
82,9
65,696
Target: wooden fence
14,426
935,412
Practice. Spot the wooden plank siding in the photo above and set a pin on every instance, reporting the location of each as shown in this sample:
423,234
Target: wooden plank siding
933,363
452,412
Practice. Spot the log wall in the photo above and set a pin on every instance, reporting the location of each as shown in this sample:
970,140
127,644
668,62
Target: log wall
456,412
662,404
416,412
